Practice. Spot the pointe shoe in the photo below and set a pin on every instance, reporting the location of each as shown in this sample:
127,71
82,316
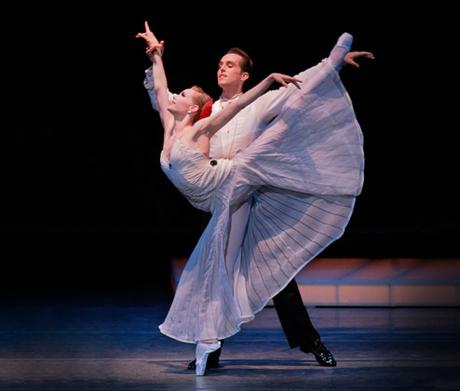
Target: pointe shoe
340,50
202,353
213,359
345,41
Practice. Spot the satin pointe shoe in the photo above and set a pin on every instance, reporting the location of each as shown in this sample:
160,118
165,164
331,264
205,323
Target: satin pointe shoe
213,359
339,51
202,352
321,353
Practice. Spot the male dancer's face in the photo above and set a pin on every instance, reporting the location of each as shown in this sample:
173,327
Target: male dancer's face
229,73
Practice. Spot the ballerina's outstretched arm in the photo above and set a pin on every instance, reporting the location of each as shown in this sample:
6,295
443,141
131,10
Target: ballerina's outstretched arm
154,51
212,124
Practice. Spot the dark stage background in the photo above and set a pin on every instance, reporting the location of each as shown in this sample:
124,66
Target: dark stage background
85,205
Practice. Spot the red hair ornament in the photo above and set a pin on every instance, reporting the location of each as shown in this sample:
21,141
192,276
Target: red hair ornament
206,110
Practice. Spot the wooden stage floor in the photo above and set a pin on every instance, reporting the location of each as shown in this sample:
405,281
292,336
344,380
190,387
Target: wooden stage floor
114,344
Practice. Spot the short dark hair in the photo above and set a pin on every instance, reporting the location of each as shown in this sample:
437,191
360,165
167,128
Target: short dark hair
246,64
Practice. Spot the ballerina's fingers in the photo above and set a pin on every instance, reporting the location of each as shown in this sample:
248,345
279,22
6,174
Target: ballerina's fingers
367,55
159,47
353,63
295,81
285,80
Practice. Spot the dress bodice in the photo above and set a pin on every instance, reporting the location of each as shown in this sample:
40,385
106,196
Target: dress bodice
194,174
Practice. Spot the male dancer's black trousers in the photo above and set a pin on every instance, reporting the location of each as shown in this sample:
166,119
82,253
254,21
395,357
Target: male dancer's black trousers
294,320
294,317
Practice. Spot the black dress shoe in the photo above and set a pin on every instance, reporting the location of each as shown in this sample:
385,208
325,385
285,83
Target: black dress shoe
212,363
321,353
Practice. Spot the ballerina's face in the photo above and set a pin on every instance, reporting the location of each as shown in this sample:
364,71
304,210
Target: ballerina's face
184,102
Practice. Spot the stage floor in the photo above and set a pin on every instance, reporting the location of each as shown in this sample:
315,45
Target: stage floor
114,344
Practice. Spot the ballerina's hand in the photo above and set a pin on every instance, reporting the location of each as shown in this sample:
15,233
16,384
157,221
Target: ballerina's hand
155,47
284,80
350,57
148,36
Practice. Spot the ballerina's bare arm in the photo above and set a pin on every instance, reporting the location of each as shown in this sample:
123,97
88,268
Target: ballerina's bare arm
154,51
211,125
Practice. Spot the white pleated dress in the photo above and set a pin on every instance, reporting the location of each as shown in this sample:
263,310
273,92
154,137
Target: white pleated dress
301,174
